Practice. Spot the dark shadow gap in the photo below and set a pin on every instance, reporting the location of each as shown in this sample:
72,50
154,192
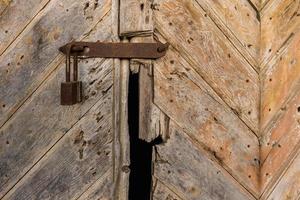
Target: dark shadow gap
140,179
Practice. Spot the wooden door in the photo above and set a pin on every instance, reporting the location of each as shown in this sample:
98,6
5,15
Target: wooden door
225,98
49,151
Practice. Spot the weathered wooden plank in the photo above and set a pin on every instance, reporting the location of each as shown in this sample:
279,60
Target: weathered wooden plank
135,18
81,157
239,21
288,187
161,192
183,95
185,25
27,140
101,189
149,118
186,167
281,141
279,82
279,23
25,64
122,152
16,17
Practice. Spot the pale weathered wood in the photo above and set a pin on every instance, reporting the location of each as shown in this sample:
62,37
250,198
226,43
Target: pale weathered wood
239,20
279,23
186,168
288,186
17,15
183,95
122,155
26,63
41,121
135,17
204,46
81,157
161,192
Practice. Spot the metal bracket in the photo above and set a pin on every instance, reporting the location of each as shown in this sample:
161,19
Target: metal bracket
115,50
71,90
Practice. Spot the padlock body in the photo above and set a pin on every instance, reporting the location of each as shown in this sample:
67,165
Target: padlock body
71,93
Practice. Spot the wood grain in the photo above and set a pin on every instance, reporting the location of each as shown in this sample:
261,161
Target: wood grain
15,16
26,64
101,189
281,141
239,20
279,23
183,95
161,192
210,53
135,18
195,176
288,187
30,139
279,82
81,157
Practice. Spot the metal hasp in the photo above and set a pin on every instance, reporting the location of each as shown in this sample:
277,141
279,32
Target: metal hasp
71,90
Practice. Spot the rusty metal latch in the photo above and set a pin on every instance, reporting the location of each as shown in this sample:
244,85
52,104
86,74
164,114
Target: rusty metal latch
71,90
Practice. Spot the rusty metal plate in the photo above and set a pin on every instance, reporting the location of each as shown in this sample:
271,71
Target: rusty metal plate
116,50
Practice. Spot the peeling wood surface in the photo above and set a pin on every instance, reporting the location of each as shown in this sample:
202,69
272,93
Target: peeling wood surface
183,95
210,53
279,23
239,20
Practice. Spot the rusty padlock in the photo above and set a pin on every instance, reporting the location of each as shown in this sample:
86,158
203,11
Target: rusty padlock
71,90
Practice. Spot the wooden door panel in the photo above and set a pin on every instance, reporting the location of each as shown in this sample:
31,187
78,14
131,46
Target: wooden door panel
243,113
49,151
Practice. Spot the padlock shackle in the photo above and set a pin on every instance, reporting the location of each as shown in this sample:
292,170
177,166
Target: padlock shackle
68,63
75,68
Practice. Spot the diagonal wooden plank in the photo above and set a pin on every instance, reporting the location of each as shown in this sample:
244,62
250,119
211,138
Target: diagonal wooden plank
288,186
279,23
280,81
162,192
101,189
188,100
189,170
210,53
82,156
25,64
239,20
17,15
281,141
